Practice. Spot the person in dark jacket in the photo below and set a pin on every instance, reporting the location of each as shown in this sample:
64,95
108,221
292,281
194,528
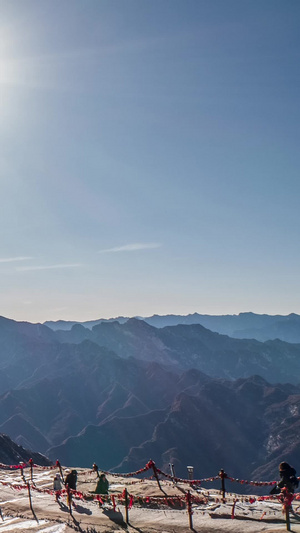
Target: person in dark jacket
288,479
71,479
102,485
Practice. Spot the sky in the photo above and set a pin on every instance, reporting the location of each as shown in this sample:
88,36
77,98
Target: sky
149,158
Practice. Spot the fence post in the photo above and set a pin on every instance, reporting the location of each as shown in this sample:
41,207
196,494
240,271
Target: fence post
126,506
155,474
69,498
172,470
287,502
233,509
31,469
60,470
189,508
30,502
22,471
287,518
223,475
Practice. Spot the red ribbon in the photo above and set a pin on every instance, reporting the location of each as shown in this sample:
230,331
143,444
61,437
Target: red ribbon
113,502
286,498
130,502
233,508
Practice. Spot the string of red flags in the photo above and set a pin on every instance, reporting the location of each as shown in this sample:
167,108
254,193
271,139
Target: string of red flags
149,466
285,497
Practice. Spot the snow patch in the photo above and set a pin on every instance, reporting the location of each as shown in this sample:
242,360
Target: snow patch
294,410
274,442
54,529
11,524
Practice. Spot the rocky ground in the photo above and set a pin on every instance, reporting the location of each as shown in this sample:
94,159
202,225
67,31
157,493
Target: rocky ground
149,513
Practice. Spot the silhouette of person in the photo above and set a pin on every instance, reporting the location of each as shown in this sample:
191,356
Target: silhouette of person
288,479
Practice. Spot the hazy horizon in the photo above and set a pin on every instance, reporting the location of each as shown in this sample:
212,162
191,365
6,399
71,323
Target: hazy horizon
115,317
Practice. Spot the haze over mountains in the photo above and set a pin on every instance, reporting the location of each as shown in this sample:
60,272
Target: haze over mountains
241,326
119,393
192,346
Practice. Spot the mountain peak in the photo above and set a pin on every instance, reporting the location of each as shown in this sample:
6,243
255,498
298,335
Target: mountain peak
138,324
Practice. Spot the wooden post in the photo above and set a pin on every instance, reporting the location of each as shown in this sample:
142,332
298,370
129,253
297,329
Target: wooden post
22,471
287,518
69,498
31,469
30,502
155,475
223,475
60,470
233,509
126,506
189,508
287,498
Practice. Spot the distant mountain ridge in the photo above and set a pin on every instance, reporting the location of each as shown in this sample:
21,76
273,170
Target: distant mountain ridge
243,326
26,350
192,346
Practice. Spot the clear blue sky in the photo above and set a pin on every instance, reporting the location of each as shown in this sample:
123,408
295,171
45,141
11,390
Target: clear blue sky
149,157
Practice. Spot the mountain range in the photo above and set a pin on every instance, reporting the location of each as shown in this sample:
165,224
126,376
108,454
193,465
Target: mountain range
192,346
121,393
242,326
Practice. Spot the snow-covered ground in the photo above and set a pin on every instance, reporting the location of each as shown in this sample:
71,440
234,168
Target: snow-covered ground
210,515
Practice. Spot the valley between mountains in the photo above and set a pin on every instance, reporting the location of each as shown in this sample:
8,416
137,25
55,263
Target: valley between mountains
120,393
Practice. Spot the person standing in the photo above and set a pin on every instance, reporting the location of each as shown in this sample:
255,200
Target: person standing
71,480
57,486
102,485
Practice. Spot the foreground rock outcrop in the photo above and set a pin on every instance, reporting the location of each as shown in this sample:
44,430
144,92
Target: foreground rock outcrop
12,454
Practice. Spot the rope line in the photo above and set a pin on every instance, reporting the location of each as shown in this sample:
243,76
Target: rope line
148,466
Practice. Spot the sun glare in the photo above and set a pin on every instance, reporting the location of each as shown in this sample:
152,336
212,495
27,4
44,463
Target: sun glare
7,64
7,71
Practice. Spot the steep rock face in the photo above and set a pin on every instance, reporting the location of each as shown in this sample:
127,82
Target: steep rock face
24,433
130,407
108,443
11,453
